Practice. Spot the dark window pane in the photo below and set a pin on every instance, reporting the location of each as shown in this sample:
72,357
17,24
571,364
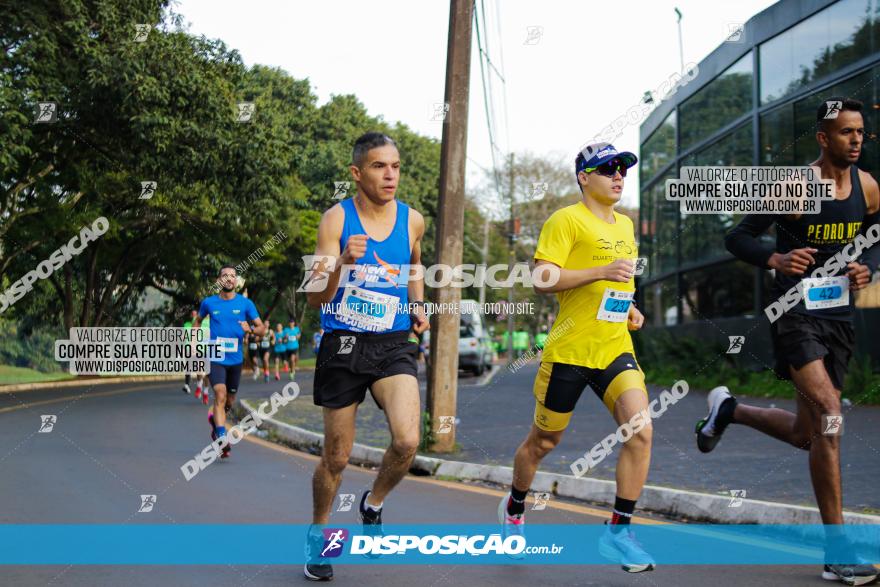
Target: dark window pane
861,87
661,302
719,291
723,100
777,137
837,36
659,150
702,235
662,231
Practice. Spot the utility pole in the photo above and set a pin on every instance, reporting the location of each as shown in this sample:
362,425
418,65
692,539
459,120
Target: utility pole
511,243
443,372
485,252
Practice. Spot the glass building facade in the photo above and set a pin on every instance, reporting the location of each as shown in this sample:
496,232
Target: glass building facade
753,103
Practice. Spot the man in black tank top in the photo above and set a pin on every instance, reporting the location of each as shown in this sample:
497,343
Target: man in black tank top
817,266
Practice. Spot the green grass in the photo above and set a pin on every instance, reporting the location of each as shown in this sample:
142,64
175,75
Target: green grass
10,375
862,386
667,358
741,382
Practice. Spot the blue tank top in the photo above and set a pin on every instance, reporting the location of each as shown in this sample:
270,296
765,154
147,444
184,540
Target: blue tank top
373,297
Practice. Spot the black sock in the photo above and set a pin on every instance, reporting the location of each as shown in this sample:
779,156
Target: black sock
187,378
516,505
622,513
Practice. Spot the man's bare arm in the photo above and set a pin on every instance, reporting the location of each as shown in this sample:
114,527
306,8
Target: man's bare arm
620,271
329,232
416,287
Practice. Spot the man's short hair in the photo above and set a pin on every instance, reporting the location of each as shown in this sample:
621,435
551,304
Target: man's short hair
829,105
227,266
579,165
366,142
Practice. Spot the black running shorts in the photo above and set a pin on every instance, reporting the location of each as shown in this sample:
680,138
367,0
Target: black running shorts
350,362
799,339
228,375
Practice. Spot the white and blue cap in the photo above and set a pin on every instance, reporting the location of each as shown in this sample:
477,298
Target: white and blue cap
596,154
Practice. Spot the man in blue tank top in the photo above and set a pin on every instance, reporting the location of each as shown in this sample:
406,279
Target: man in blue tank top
813,336
370,304
231,315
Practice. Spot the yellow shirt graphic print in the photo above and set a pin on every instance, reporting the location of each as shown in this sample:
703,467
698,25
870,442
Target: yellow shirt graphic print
574,238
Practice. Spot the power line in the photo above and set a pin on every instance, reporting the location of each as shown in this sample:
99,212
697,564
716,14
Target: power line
492,145
503,79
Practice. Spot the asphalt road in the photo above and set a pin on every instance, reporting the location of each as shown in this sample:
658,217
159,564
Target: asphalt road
112,443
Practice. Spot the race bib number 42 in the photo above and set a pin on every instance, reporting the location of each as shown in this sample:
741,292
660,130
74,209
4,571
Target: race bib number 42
615,305
826,292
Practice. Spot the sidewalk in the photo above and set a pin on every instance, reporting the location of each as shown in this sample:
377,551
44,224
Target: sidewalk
496,417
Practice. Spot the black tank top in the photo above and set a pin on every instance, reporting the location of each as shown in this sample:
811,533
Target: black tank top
836,226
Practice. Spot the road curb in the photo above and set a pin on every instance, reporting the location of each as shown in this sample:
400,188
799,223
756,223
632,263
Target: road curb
85,382
678,503
102,381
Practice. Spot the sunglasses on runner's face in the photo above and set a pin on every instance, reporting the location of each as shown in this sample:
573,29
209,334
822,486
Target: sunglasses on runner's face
609,169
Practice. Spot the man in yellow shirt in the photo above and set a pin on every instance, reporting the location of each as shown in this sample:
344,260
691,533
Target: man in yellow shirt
593,249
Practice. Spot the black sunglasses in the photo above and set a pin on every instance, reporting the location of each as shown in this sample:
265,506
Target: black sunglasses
609,169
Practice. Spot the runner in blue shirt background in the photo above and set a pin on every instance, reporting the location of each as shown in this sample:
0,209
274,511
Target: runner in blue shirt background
231,314
293,335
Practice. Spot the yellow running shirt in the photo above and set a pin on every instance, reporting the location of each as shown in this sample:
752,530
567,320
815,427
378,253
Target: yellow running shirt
574,238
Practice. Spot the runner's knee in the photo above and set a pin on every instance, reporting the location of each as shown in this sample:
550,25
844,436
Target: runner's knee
406,444
541,444
642,439
335,461
826,403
